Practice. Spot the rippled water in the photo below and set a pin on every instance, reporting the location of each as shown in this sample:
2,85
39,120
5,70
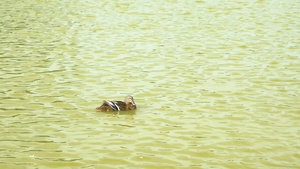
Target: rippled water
216,84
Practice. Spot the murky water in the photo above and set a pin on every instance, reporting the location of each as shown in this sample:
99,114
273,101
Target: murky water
216,84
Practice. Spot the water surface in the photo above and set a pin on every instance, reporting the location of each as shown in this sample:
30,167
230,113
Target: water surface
216,84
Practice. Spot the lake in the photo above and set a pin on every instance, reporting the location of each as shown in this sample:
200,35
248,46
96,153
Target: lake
216,83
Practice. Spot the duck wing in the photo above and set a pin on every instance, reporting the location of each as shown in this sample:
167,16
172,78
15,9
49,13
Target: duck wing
112,104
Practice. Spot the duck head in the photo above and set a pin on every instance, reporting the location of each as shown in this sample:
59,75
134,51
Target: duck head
129,101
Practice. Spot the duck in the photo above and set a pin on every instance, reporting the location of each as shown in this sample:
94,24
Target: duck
107,105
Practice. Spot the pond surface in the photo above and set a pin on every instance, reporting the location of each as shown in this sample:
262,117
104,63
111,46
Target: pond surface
216,84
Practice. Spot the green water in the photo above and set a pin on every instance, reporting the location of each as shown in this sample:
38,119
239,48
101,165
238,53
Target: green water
216,84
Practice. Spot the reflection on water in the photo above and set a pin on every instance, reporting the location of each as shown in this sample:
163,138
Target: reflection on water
216,84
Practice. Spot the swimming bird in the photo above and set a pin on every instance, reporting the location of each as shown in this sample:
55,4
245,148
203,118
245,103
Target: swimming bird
107,105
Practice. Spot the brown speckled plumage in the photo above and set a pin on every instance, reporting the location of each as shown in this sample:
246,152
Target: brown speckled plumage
128,104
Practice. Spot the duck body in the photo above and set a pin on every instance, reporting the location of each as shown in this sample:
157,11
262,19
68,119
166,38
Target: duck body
107,105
